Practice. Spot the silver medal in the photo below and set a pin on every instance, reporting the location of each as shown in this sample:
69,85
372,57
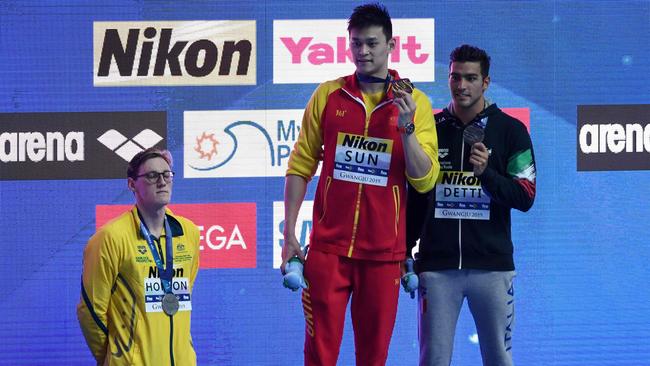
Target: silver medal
170,304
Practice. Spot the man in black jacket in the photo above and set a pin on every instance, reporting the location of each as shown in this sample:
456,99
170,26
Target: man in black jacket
487,168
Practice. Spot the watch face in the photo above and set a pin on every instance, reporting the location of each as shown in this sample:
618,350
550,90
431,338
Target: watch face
409,128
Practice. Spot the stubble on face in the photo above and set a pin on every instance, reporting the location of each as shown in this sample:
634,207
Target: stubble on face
467,86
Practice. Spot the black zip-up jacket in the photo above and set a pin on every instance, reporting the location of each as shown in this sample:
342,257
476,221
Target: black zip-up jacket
464,222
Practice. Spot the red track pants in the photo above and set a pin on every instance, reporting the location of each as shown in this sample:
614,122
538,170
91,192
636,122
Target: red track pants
374,287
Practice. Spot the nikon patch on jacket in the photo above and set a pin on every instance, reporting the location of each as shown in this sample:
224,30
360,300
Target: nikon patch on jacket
362,159
154,292
459,195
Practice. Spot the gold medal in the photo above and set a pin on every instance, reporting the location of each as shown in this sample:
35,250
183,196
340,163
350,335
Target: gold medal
403,85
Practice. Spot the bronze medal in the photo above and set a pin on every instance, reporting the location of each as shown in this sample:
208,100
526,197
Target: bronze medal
473,134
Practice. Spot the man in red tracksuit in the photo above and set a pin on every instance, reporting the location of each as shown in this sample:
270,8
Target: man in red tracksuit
372,136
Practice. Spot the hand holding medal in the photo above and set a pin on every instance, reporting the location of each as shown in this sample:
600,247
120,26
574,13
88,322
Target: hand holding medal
473,135
402,90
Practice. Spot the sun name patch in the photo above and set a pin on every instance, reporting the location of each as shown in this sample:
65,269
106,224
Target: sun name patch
459,195
362,159
153,294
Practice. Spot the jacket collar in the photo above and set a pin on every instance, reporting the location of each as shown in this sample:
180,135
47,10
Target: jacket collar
351,84
174,224
447,115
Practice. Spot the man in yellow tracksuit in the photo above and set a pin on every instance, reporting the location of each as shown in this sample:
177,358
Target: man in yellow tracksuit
138,275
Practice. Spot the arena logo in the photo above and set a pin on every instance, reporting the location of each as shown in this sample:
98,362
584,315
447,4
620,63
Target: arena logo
245,143
613,137
175,53
77,149
311,51
228,231
36,146
303,228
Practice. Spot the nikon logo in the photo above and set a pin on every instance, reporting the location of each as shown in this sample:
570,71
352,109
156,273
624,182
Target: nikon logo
174,53
613,137
360,142
153,272
460,178
36,146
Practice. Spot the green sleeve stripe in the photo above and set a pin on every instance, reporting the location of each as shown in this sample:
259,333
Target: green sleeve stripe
521,165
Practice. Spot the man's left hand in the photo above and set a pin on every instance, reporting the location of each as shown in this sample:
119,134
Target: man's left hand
406,107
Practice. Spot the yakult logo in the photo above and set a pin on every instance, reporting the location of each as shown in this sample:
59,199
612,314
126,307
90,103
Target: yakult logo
227,231
312,51
174,53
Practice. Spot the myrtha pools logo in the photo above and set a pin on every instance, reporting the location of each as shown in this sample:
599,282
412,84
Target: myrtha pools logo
254,143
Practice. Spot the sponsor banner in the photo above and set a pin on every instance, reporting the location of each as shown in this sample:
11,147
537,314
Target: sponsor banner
613,137
315,50
459,195
522,114
303,228
228,231
245,143
83,145
174,53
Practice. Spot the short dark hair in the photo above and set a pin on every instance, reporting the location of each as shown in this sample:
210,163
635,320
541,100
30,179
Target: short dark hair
467,53
142,156
369,15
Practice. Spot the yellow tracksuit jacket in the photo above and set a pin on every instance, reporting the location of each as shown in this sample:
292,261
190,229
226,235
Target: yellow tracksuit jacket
119,311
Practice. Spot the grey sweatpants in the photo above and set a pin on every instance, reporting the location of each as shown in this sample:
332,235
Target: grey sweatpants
490,296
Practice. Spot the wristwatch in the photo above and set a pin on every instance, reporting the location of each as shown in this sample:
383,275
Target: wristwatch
407,129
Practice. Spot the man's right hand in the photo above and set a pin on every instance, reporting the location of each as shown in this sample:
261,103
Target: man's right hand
290,249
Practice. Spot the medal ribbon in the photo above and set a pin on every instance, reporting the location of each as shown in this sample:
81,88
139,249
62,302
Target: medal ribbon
480,121
372,79
165,273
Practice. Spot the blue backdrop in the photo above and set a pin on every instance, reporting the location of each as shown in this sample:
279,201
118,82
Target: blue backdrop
582,296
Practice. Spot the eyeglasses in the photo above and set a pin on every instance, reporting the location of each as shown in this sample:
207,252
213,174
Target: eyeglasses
153,177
